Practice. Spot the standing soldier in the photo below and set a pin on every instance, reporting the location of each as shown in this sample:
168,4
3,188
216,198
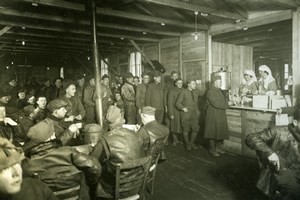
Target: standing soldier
169,86
128,94
140,97
174,113
155,97
89,101
216,128
106,94
187,103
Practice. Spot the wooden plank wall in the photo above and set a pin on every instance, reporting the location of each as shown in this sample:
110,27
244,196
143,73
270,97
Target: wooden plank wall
237,58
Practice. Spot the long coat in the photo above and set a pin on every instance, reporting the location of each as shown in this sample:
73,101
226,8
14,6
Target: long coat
216,121
175,124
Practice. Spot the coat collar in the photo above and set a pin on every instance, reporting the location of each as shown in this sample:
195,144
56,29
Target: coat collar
294,131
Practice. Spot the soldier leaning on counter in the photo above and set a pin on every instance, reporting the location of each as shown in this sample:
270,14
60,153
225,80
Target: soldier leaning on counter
216,128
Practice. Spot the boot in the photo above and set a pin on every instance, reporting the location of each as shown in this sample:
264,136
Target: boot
175,140
218,147
193,138
187,142
212,148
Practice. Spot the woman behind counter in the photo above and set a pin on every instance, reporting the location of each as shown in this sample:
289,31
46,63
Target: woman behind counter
266,84
249,84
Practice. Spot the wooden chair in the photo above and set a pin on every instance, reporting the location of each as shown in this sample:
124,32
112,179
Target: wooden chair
155,151
131,179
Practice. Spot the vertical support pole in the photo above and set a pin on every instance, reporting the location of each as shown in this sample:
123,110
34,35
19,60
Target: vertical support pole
96,62
180,57
296,55
159,51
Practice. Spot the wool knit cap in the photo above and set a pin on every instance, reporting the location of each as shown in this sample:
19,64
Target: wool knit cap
56,104
148,110
214,78
156,74
104,76
113,114
27,110
92,128
9,154
3,94
128,75
173,72
41,131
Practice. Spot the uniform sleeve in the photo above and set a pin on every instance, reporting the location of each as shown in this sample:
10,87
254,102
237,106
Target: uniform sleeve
170,103
88,164
289,110
127,94
258,141
138,97
179,101
81,109
88,97
272,86
148,95
166,95
216,100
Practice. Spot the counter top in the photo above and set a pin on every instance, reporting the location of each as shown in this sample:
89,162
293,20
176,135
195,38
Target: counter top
245,107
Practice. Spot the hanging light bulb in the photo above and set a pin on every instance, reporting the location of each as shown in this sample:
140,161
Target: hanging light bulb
196,28
23,43
196,36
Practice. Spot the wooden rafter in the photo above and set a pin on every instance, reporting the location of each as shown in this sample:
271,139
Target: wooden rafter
117,13
142,53
16,13
194,7
4,30
72,30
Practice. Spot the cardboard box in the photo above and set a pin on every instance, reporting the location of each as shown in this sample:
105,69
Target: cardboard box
277,102
281,120
261,101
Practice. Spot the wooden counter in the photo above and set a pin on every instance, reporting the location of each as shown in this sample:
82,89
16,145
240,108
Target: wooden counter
243,120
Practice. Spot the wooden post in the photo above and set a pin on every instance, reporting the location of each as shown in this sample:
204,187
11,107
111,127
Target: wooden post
296,55
96,62
180,57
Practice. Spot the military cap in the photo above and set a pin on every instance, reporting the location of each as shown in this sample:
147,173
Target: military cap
9,154
148,110
56,104
41,131
214,78
113,114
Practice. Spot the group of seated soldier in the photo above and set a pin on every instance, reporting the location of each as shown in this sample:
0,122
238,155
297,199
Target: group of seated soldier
50,153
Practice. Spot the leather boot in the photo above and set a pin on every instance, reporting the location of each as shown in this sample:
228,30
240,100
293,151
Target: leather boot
175,139
212,148
218,147
193,138
187,141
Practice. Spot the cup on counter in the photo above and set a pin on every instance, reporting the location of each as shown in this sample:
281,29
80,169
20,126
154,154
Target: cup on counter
279,93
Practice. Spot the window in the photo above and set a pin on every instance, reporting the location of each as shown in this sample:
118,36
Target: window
135,65
104,67
286,76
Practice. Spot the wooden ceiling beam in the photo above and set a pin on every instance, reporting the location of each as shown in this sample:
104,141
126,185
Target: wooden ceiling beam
4,30
252,22
194,7
16,13
116,13
284,3
74,31
13,38
68,39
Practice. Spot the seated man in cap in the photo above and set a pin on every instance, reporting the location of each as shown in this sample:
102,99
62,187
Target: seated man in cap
8,127
120,145
151,129
64,169
41,102
128,94
57,110
21,100
278,150
11,111
12,185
